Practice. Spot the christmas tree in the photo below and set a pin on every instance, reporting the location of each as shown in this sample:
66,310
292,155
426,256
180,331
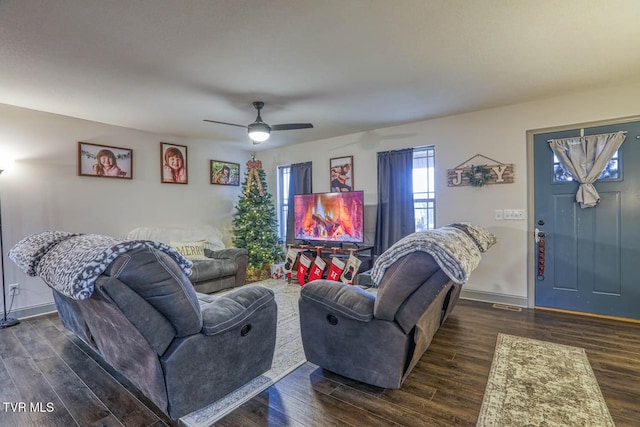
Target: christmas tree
255,222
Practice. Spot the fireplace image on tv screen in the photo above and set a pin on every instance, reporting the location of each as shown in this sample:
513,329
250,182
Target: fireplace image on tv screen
329,217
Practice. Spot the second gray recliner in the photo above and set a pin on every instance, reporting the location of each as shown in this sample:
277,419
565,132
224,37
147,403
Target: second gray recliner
377,335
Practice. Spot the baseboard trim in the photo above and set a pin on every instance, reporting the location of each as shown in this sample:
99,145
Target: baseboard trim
493,298
38,310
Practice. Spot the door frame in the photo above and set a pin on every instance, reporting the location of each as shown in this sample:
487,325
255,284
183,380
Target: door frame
531,253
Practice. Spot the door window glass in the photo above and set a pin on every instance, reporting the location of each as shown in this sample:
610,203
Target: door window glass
611,171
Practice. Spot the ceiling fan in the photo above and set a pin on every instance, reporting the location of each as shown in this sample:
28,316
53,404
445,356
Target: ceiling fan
259,131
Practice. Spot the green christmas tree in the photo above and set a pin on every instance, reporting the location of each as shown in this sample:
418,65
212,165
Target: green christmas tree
255,222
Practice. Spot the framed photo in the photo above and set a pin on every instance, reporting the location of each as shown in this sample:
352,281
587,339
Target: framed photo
173,164
341,173
104,161
224,173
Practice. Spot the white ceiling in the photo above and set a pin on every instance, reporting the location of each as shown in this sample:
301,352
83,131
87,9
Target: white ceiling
344,65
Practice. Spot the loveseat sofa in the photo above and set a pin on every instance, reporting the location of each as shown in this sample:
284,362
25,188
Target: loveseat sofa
132,303
215,268
377,331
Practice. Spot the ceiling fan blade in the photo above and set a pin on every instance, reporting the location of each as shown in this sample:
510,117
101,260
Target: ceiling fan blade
292,126
224,123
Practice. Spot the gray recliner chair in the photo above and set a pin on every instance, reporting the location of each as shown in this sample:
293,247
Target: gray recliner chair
377,335
225,268
182,349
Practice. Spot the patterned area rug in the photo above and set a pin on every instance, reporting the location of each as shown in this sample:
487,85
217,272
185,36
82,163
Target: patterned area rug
287,357
538,383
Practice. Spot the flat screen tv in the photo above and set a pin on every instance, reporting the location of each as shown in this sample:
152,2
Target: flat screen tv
329,217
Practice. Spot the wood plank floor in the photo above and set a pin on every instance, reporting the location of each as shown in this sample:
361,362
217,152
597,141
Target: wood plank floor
44,366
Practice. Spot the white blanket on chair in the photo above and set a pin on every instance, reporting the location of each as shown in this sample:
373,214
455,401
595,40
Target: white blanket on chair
454,251
70,262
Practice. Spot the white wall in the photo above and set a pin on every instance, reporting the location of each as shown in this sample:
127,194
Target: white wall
42,190
498,133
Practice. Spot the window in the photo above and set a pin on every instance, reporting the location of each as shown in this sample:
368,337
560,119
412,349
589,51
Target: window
284,173
611,171
424,191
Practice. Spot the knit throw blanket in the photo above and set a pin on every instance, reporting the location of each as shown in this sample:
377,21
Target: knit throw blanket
454,250
70,262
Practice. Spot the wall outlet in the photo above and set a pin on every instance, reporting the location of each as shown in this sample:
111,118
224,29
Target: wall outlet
499,214
14,289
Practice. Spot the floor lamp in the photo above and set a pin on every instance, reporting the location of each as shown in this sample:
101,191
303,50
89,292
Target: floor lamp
5,322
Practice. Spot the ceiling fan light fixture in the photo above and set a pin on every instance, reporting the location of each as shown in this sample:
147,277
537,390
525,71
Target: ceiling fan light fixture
259,131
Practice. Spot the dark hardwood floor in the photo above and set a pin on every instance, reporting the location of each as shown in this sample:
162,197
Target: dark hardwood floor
50,373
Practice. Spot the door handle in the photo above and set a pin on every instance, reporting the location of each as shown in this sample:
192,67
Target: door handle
539,234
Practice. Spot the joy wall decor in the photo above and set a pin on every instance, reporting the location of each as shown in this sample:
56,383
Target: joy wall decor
480,173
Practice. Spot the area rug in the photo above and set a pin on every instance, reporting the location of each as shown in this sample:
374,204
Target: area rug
287,357
538,383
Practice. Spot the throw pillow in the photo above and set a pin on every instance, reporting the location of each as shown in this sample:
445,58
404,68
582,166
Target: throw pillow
214,245
193,251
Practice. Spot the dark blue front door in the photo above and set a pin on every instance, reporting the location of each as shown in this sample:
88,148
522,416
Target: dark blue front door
592,255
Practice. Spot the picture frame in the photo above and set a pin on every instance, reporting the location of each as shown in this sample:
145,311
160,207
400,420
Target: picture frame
341,174
104,161
224,173
173,164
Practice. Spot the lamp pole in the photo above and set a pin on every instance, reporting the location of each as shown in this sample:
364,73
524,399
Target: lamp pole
5,322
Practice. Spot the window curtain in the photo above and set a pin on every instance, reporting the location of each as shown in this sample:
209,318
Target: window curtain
300,182
585,158
395,216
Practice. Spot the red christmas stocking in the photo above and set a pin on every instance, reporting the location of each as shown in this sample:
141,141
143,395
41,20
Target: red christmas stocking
303,267
336,269
317,269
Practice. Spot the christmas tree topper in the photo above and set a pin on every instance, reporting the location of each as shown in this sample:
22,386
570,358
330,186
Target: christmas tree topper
254,167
